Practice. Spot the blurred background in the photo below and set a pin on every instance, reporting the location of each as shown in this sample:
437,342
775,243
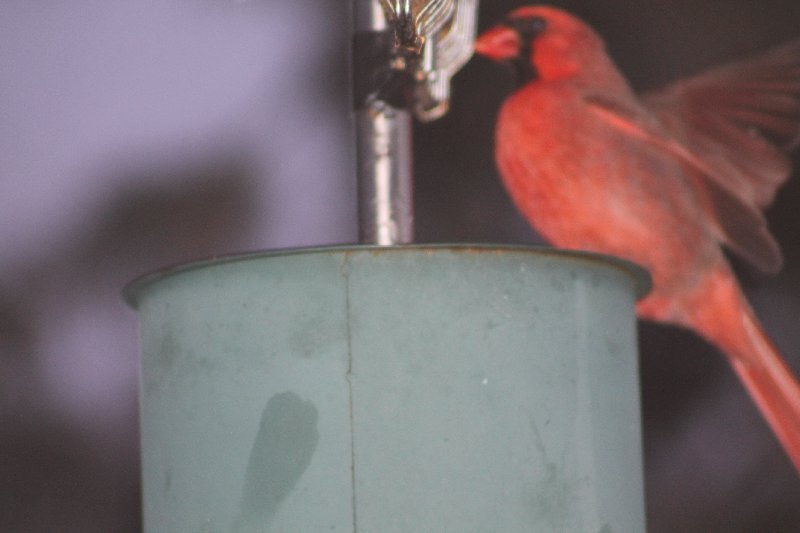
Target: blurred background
134,135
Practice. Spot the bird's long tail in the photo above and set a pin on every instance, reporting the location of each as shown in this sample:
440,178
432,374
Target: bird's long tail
773,388
728,321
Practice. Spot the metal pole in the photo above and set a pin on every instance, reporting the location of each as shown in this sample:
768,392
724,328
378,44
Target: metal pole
383,135
404,54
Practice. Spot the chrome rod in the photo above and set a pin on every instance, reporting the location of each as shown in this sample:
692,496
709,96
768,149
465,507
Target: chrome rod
383,134
404,54
385,188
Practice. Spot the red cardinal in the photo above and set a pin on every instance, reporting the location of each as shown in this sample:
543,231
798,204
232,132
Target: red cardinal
664,179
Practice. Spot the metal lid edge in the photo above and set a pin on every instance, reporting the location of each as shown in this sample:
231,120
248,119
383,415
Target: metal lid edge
641,278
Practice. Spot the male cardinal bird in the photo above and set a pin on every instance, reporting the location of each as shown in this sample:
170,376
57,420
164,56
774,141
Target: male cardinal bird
663,179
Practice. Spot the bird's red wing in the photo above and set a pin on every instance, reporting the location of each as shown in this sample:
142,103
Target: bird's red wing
736,223
742,117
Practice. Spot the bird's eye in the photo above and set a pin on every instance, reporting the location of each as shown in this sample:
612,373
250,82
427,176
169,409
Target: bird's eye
527,27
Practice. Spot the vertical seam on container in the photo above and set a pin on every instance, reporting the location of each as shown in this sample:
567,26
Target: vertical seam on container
346,274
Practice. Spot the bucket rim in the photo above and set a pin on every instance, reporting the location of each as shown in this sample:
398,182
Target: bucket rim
641,278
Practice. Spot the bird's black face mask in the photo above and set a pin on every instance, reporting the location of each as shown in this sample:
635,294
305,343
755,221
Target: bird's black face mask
527,28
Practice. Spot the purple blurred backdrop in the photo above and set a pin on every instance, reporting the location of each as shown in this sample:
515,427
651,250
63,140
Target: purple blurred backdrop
139,134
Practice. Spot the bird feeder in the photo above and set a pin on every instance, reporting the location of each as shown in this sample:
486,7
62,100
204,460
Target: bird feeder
387,386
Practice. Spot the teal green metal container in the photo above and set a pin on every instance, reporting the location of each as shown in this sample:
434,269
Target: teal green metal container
403,389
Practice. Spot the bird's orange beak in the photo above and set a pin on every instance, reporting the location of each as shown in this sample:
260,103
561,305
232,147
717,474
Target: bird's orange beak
500,43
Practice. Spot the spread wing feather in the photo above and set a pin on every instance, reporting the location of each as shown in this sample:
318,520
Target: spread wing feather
742,117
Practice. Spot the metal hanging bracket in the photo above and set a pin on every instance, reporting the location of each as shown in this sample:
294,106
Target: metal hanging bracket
405,54
433,39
